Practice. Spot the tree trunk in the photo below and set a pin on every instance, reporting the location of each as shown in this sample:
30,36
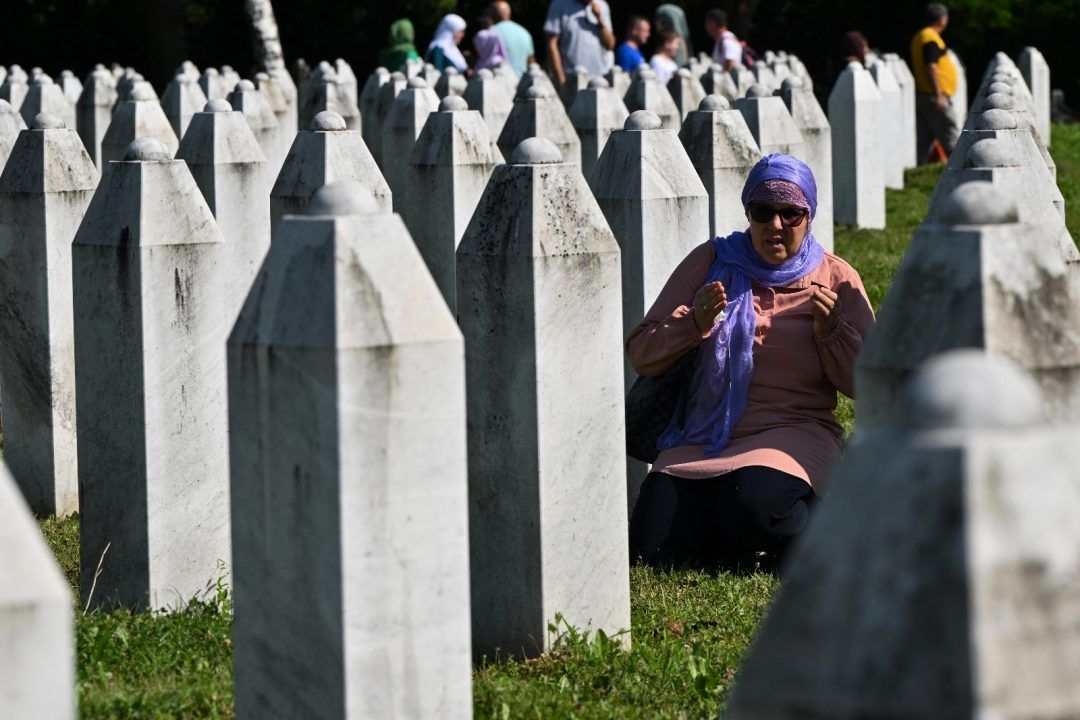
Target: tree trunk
264,29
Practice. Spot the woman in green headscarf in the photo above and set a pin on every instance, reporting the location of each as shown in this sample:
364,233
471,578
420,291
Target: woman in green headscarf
400,48
672,17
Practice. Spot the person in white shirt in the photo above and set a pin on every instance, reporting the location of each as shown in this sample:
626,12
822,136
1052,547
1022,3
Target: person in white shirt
727,50
663,61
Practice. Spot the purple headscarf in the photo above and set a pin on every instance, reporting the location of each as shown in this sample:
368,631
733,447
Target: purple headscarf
490,49
721,383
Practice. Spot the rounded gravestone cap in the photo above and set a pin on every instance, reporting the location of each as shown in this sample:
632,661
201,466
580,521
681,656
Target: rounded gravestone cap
328,121
343,197
397,76
147,149
994,119
684,73
855,65
227,69
716,68
451,71
47,121
417,83
245,85
66,74
999,87
970,389
485,74
218,105
380,71
990,153
210,72
646,73
261,77
714,102
642,120
536,92
791,83
42,79
758,91
598,82
141,93
978,203
535,151
534,66
999,101
323,66
453,103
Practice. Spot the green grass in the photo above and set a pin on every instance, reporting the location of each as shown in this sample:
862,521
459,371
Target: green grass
690,628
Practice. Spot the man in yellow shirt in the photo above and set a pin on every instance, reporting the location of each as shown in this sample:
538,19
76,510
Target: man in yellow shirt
935,83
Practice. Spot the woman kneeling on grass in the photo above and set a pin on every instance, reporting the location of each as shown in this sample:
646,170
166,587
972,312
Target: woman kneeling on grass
776,323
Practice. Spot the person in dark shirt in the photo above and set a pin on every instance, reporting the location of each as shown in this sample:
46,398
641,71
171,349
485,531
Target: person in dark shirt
628,55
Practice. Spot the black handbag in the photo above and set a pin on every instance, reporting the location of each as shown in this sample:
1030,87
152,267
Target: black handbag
652,403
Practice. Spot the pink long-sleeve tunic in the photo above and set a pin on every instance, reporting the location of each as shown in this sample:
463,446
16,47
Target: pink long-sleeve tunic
789,422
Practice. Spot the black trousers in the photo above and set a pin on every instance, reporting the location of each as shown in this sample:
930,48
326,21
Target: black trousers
717,519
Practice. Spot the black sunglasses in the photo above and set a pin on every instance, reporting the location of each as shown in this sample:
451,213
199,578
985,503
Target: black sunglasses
789,216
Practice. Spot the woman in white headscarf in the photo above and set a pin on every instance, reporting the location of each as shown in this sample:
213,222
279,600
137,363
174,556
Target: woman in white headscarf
443,50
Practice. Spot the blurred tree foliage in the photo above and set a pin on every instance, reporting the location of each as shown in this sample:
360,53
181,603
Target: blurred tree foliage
155,36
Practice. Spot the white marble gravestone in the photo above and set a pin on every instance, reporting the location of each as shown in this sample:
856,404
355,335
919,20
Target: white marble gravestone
11,124
37,667
858,159
597,111
770,123
717,81
384,101
15,87
817,136
212,84
646,93
45,96
325,92
936,582
537,112
370,128
540,385
959,99
492,97
150,329
451,82
399,133
686,90
449,168
890,124
182,98
245,98
139,117
44,191
1036,74
906,81
93,112
348,450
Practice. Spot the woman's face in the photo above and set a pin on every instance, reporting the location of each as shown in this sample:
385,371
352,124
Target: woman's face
459,36
772,239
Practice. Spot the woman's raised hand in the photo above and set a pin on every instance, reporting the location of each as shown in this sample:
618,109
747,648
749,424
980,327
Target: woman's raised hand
709,301
826,311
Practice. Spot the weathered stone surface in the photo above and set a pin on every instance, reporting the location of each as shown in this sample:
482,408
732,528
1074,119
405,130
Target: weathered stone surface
906,81
976,278
1008,126
538,113
139,117
15,87
817,135
597,111
1036,74
492,97
890,124
770,123
11,124
717,81
287,121
858,160
182,98
229,78
540,384
44,191
451,82
941,584
764,76
93,112
347,81
260,117
576,81
619,80
45,96
400,131
646,93
320,156
150,328
371,127
348,456
324,92
449,168
722,151
535,77
687,92
37,668
387,94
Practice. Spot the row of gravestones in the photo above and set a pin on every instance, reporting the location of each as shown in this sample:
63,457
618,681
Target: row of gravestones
162,434
942,577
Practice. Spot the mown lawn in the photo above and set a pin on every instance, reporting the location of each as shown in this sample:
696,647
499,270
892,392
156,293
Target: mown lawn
691,628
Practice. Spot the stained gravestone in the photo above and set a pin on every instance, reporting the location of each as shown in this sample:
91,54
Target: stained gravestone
449,168
723,152
260,118
400,130
770,123
686,90
93,112
492,98
15,87
212,85
371,127
182,98
1036,74
505,74
1005,125
890,124
618,79
817,135
430,74
45,96
347,82
959,99
535,77
451,82
284,114
288,123
540,383
857,156
763,76
324,92
150,328
906,81
139,117
1007,289
11,124
37,669
384,102
598,110
44,191
646,93
538,113
229,78
336,403
576,80
227,164
125,86
717,81
941,584
326,153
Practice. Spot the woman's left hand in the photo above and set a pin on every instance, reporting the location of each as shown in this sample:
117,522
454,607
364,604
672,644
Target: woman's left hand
826,311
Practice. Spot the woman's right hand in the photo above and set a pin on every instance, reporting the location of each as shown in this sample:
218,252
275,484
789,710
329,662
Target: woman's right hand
709,301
